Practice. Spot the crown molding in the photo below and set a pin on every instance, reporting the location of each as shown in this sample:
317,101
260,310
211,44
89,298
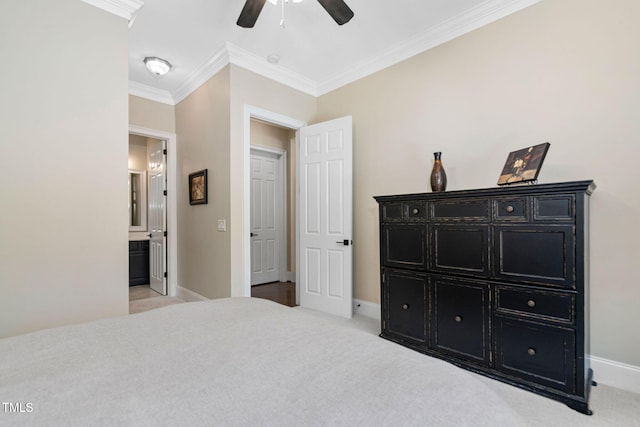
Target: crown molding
259,65
151,93
232,54
123,8
470,20
483,14
200,75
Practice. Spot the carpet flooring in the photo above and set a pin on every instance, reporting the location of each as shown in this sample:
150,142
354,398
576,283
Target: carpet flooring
140,305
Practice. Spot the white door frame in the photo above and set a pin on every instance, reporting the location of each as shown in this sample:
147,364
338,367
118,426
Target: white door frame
270,117
281,203
172,205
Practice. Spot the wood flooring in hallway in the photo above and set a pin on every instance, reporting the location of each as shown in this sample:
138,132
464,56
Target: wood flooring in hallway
280,292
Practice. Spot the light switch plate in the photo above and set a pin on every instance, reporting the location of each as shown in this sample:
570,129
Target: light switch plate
222,225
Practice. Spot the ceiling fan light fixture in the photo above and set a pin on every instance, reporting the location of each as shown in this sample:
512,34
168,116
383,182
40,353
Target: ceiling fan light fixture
157,66
274,2
338,9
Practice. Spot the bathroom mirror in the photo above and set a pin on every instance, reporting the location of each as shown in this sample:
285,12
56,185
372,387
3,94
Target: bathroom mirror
137,200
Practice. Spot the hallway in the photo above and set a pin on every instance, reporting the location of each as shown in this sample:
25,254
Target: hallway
280,292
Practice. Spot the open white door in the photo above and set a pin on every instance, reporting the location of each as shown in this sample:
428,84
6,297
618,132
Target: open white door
325,216
157,217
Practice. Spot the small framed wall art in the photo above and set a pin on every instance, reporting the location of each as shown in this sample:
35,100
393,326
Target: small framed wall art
198,188
523,165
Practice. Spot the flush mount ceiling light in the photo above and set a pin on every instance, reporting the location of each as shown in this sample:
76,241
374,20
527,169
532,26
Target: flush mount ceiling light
157,66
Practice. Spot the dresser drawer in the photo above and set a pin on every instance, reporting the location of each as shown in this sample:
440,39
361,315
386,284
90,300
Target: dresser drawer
477,209
415,210
406,211
391,212
460,248
404,246
460,324
539,254
511,209
560,207
538,353
556,306
405,306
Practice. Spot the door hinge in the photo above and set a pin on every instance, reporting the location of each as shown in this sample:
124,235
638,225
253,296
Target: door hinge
164,151
165,274
165,192
165,234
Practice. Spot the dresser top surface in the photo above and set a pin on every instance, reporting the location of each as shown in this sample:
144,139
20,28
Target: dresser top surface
586,187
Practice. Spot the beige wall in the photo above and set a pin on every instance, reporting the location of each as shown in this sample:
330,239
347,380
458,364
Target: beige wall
202,127
137,152
267,135
564,71
63,228
257,91
209,128
151,114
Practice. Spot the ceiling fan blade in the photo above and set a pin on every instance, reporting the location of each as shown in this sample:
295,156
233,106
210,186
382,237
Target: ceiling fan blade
250,13
338,9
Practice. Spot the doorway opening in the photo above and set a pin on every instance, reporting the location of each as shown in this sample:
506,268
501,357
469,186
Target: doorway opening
260,122
272,212
324,210
165,260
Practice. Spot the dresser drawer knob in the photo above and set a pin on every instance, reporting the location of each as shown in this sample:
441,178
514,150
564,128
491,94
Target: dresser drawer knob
531,351
405,306
509,209
415,211
458,319
531,303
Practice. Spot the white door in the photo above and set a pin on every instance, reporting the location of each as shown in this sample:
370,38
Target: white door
325,216
157,217
265,222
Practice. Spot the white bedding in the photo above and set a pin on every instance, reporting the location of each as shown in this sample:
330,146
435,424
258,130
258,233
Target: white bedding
234,362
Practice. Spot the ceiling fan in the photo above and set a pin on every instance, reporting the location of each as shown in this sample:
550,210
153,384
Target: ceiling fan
338,9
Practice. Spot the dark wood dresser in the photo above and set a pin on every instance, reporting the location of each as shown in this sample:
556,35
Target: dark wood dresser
494,281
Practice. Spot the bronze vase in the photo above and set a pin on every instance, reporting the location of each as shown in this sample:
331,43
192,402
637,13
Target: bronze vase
438,175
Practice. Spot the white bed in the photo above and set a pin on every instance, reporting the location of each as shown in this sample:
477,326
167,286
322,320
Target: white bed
234,362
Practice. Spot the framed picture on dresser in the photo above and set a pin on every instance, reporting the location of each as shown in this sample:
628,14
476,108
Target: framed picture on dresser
523,165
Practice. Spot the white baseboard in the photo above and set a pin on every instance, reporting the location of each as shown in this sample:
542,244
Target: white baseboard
188,295
616,374
608,372
291,276
367,309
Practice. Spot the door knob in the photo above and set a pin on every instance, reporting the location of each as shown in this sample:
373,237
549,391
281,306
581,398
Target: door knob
344,242
253,234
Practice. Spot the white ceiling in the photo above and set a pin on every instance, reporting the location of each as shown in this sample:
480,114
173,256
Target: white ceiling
199,37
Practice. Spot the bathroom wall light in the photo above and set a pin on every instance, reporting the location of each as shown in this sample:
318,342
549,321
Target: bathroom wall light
157,66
